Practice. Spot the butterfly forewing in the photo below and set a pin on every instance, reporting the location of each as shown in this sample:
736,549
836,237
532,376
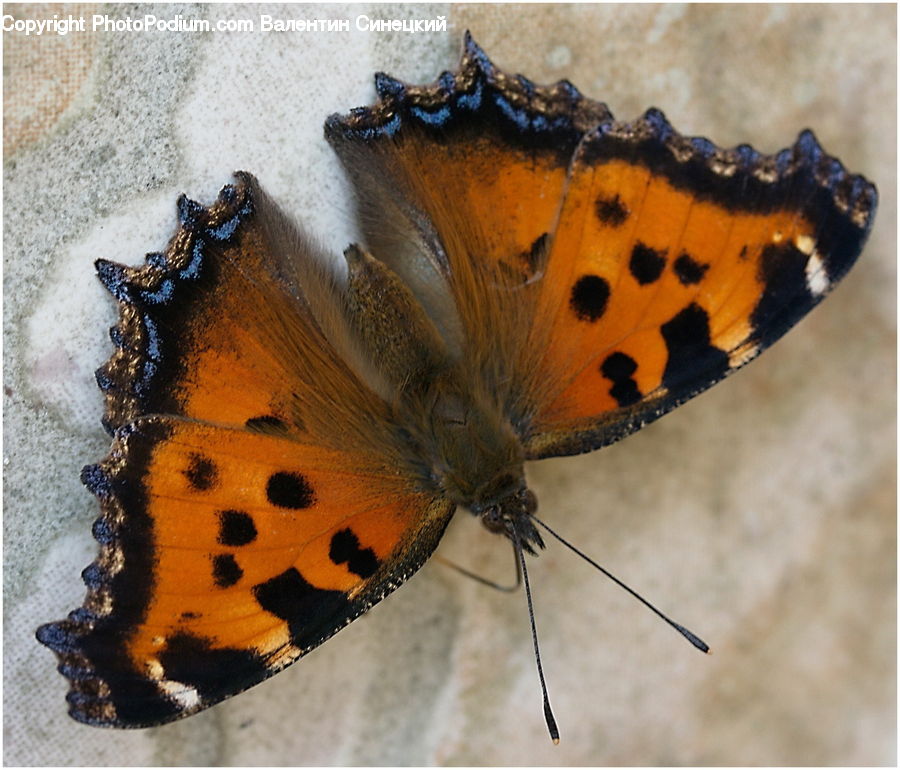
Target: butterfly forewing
673,264
602,272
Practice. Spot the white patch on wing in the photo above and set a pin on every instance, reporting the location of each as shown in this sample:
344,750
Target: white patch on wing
184,695
816,278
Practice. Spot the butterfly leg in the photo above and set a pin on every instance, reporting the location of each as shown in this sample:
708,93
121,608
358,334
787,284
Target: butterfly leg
484,580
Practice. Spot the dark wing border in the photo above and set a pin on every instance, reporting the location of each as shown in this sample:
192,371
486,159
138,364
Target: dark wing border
476,97
802,177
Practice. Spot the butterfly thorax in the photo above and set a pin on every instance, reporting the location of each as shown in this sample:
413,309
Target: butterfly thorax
458,438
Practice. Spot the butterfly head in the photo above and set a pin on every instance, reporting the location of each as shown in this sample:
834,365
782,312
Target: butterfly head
511,516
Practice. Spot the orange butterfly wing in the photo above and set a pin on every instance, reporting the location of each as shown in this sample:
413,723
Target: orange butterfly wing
458,186
251,507
673,264
594,303
482,155
223,326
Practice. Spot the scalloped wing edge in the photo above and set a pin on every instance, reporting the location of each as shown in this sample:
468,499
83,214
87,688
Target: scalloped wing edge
129,372
105,690
550,116
803,167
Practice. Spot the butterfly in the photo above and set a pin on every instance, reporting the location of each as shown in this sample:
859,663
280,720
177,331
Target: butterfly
290,441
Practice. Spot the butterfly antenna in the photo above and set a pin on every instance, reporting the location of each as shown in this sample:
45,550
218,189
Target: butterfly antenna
548,712
689,635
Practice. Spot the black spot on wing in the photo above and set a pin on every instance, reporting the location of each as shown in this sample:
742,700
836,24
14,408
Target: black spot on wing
688,270
214,672
226,571
236,528
524,266
618,368
646,264
611,211
270,424
537,253
589,297
693,361
345,550
786,296
201,472
289,489
310,612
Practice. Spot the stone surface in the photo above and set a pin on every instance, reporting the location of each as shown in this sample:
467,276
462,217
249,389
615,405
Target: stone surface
761,514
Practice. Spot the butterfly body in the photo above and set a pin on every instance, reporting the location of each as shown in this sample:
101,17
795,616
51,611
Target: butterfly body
460,441
535,279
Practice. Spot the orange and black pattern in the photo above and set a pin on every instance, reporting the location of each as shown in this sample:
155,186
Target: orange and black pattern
233,539
577,278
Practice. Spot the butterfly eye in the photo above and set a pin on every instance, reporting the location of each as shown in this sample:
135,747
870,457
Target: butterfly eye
494,520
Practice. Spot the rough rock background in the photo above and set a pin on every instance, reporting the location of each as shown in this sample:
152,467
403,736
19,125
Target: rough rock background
761,514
